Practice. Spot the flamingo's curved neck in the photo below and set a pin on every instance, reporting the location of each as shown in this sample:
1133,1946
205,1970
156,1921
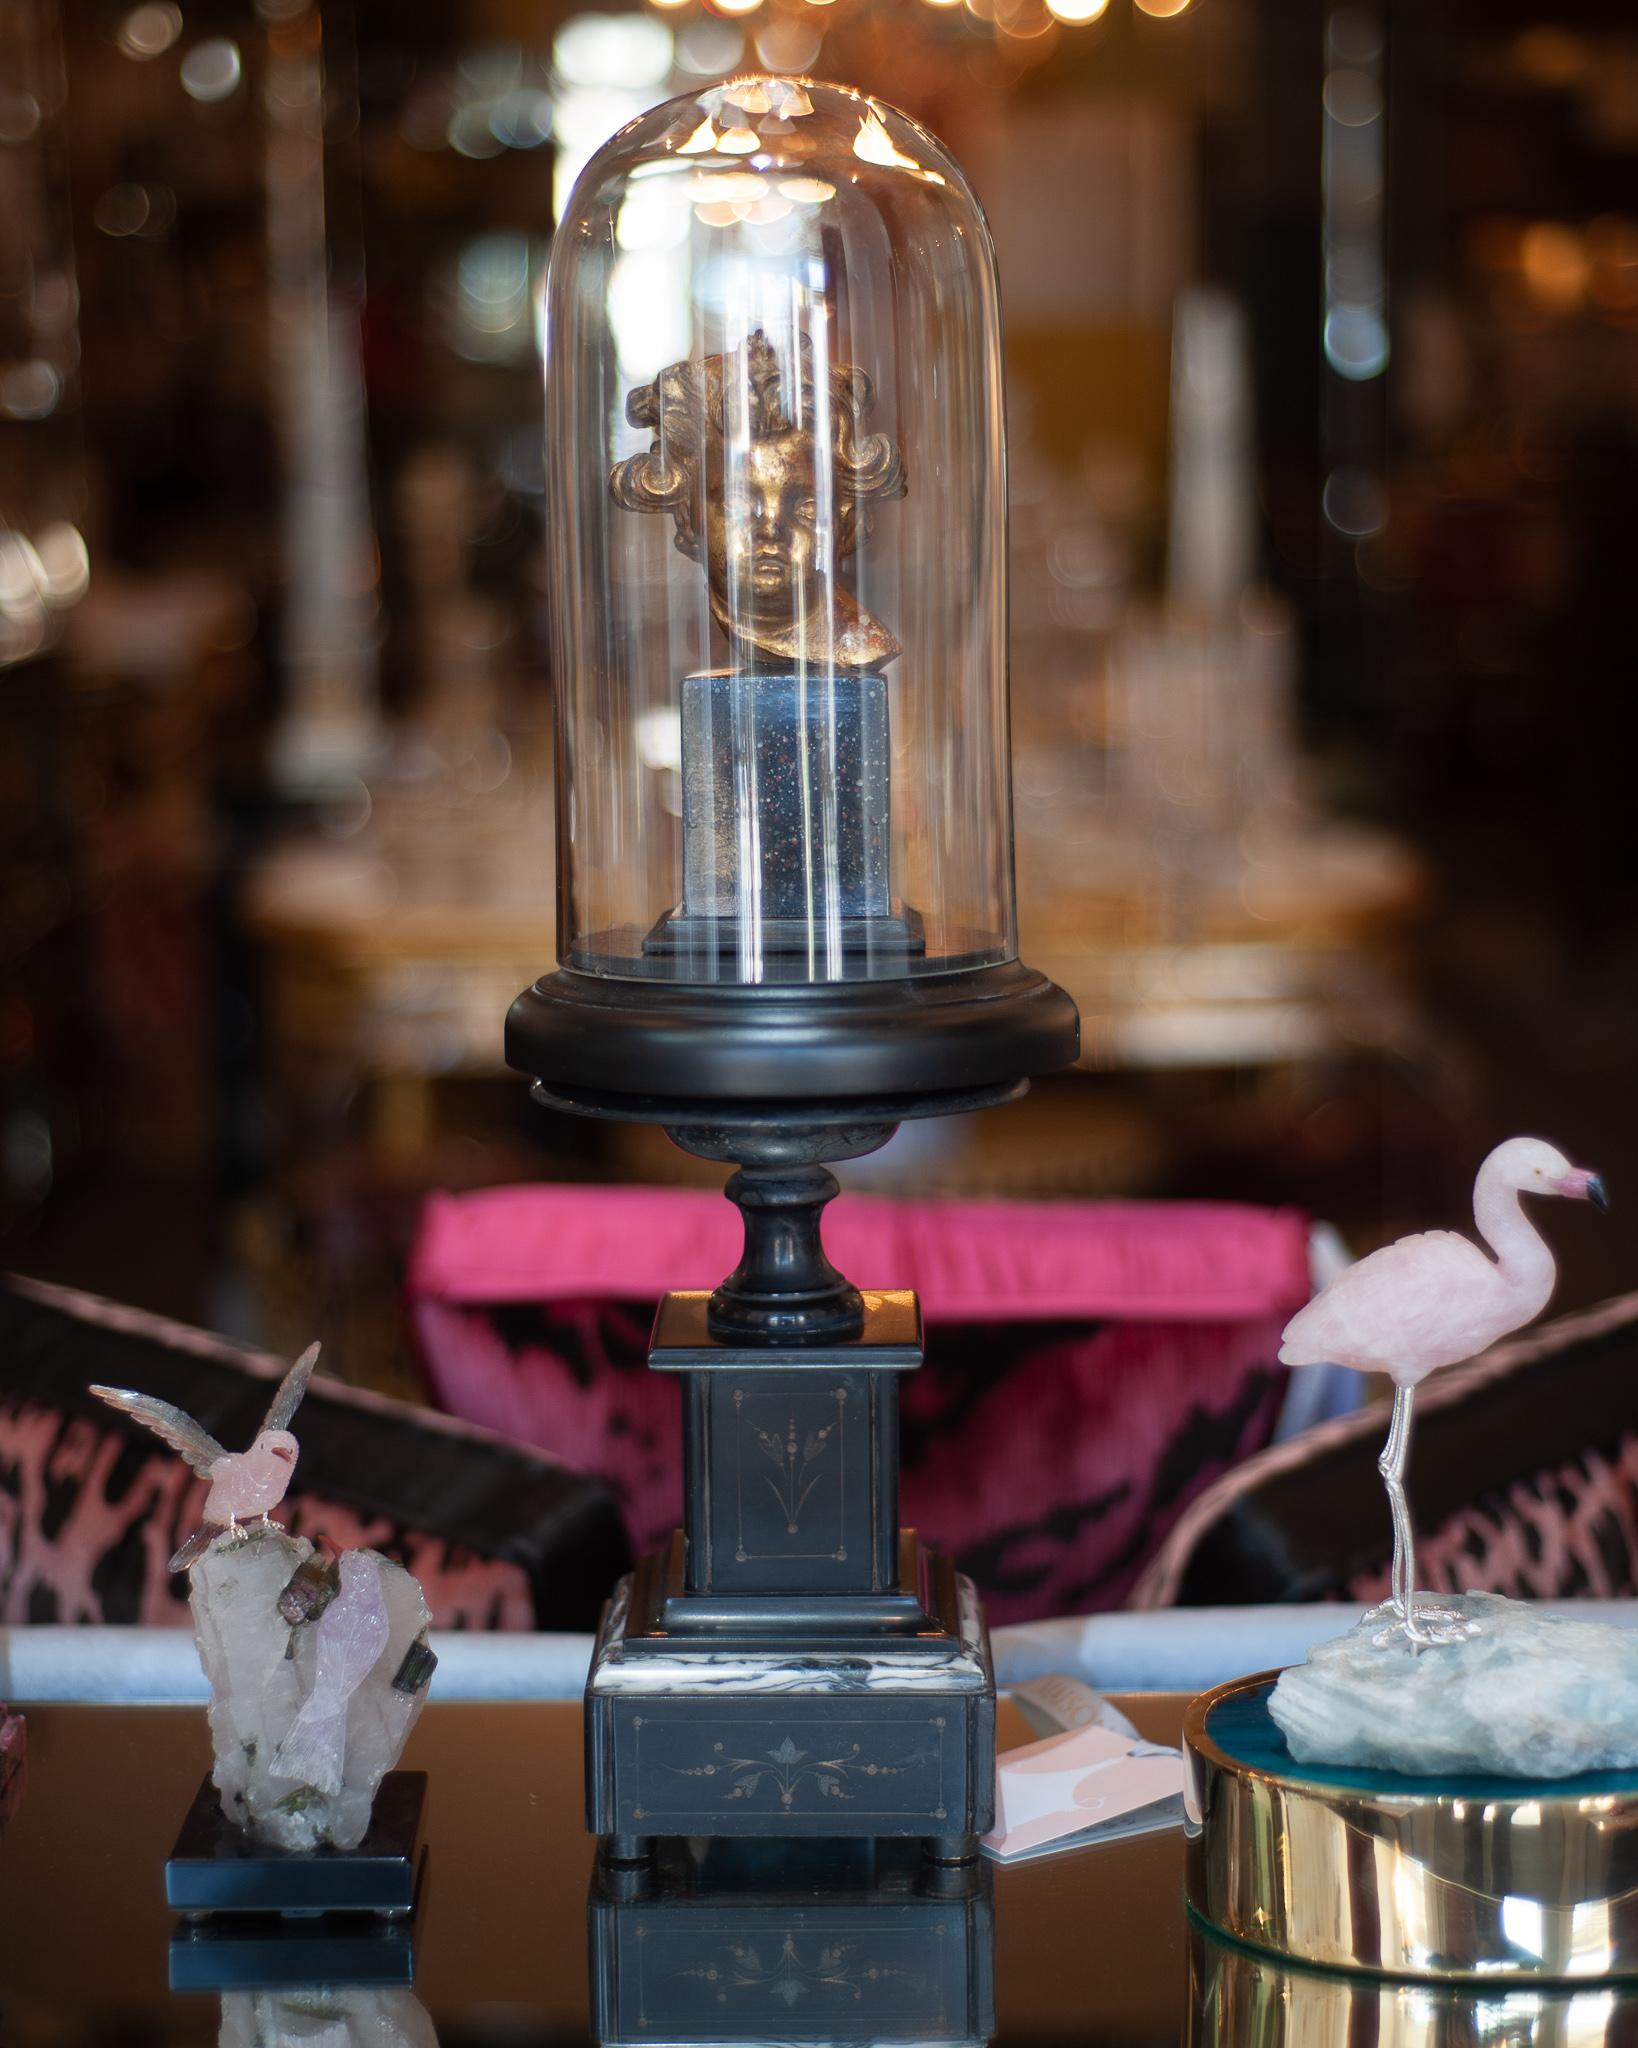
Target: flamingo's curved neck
1521,1251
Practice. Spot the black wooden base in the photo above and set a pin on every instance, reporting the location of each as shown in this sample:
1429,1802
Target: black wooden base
216,1868
915,1036
843,1941
784,1738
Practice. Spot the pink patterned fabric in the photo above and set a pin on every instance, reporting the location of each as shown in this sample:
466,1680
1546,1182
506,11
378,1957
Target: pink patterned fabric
91,1507
1090,1366
1568,1531
60,1559
1524,1478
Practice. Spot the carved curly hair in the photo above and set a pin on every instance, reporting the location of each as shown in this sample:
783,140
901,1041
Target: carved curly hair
692,400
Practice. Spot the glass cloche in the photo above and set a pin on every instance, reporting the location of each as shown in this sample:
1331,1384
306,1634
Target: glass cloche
776,524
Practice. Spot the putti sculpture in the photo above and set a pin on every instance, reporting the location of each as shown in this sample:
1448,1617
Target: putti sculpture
764,460
318,1661
1433,1300
242,1483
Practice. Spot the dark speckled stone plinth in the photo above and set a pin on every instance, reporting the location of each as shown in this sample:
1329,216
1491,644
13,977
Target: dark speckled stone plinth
785,796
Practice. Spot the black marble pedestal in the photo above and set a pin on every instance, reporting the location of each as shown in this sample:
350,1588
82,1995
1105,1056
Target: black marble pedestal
216,1868
795,1665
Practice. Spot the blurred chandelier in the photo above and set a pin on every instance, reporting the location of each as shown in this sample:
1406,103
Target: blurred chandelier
1009,17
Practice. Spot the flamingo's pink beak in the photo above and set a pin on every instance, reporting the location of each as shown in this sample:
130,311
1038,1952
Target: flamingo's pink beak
1582,1186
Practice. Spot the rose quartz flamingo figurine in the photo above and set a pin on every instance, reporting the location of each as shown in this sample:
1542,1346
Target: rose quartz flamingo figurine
242,1483
1432,1300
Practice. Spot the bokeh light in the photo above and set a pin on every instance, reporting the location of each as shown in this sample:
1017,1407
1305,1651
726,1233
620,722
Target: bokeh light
1354,503
19,115
1556,266
709,47
150,30
620,50
211,70
791,42
1356,340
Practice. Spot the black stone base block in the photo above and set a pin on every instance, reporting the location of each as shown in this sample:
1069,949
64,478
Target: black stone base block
215,1868
879,1739
822,1942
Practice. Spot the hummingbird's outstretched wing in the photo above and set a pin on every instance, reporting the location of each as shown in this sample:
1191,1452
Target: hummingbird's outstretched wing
291,1388
195,1547
170,1425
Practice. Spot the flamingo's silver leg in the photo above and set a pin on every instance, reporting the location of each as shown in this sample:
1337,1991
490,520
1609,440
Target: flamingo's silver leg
1391,1464
1422,1627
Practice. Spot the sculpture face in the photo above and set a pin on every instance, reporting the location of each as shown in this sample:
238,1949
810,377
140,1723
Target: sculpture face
745,480
762,540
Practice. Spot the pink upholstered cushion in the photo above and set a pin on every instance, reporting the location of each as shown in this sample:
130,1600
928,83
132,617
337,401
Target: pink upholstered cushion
1146,1261
1090,1366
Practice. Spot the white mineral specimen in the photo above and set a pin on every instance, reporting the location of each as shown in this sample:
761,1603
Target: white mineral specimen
1528,1697
262,1672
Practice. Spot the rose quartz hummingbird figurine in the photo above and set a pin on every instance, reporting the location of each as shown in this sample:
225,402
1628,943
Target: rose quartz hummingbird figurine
1434,1300
242,1483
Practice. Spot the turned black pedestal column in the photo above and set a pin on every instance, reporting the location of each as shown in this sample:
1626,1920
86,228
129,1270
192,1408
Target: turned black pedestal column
795,1663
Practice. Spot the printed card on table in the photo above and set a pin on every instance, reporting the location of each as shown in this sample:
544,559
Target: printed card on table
1086,1785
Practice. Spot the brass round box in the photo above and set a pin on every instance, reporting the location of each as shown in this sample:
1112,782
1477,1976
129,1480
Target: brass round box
1459,1878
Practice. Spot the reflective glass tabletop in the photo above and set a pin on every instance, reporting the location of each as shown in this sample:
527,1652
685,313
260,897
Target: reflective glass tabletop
518,1939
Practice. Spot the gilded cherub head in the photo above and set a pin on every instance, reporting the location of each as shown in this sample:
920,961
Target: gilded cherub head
770,521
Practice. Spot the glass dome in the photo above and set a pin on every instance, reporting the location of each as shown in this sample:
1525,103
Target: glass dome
776,514
776,531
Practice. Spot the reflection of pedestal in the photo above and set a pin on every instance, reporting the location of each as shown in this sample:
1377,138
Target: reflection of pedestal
793,1667
256,1954
1500,1879
827,1942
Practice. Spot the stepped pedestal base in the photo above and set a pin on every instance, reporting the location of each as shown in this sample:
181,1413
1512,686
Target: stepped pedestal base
713,1733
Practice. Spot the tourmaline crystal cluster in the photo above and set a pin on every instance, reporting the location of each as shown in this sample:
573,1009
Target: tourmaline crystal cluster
318,1664
318,1669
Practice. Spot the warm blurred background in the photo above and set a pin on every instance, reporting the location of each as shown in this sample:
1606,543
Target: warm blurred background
1323,360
